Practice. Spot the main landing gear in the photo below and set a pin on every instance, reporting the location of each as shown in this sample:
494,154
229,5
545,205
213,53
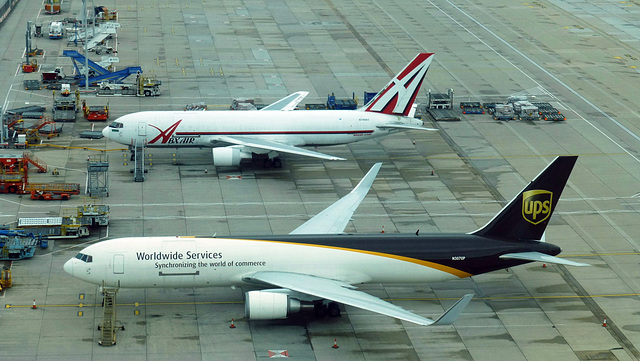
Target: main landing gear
322,309
273,163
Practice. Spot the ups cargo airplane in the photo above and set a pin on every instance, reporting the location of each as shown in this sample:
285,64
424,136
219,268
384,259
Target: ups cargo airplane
237,135
318,265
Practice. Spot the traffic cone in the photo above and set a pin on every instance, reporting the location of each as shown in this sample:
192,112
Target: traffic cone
34,305
335,343
382,229
206,171
604,323
232,325
544,265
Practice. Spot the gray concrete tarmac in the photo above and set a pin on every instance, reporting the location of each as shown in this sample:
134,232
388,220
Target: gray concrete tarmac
580,56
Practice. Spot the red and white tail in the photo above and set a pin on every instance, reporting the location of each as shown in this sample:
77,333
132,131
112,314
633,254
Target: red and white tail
398,96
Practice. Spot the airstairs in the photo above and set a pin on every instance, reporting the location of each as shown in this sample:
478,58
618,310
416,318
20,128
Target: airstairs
108,327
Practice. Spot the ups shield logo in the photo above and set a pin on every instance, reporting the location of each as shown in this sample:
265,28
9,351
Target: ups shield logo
536,205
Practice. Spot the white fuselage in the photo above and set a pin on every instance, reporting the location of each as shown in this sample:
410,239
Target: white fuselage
297,128
144,262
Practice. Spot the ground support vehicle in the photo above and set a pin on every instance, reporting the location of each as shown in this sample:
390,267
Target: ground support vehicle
472,110
65,109
49,196
504,112
97,73
30,67
52,7
17,245
32,84
440,106
340,104
470,105
314,106
56,30
52,76
145,86
93,215
557,117
53,188
95,113
53,227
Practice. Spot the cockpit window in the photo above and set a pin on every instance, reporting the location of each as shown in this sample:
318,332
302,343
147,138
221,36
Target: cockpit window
84,257
116,125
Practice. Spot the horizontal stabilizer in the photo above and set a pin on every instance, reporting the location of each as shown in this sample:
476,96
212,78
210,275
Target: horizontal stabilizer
541,257
405,126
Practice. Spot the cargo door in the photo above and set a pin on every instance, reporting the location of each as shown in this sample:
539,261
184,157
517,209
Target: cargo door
142,129
118,264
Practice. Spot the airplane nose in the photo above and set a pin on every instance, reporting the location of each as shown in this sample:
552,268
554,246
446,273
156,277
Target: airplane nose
105,132
68,267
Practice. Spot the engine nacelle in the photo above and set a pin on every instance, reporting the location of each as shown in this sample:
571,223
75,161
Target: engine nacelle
228,156
265,305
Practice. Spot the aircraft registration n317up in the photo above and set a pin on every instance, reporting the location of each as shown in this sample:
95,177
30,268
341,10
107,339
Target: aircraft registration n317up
318,265
238,135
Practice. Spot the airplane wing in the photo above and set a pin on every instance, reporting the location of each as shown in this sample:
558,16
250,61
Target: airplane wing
334,219
276,146
287,103
345,293
405,126
541,257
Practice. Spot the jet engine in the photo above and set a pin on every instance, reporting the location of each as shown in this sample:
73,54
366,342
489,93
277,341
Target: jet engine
228,156
265,305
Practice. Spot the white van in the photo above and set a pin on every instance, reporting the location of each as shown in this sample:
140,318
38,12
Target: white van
55,30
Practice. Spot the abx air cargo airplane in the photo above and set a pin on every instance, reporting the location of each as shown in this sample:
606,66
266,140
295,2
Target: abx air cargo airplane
238,135
318,265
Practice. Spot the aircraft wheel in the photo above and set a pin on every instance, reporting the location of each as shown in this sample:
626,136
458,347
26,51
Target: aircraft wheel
334,309
320,309
277,162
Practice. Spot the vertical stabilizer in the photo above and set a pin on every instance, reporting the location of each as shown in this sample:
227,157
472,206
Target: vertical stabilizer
398,96
527,215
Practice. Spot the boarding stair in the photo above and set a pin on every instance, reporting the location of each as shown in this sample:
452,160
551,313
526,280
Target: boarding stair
97,73
108,327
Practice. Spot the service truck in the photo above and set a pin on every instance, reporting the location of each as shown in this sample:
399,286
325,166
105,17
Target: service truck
56,30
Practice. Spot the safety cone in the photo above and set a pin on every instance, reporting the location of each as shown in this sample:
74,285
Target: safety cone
232,325
206,171
544,265
34,305
604,323
382,229
432,172
335,343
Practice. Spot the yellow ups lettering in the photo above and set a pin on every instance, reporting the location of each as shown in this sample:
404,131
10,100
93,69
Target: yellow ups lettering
536,205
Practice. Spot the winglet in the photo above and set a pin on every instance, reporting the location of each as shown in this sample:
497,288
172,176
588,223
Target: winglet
334,219
454,311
